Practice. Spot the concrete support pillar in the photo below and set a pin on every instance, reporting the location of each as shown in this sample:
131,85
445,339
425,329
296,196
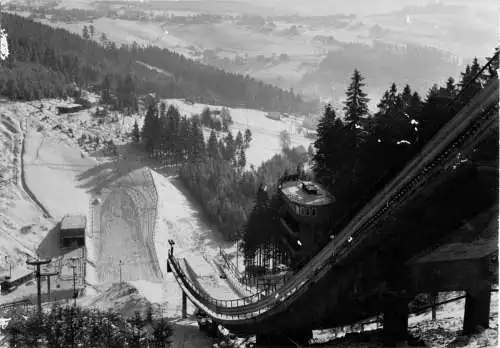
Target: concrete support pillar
184,305
477,309
434,297
396,320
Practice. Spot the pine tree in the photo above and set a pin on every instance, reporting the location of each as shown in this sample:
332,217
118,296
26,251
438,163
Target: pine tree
106,89
148,128
242,160
135,133
165,136
470,84
331,155
91,30
451,88
248,138
174,119
212,145
226,119
238,142
206,118
405,97
185,139
356,104
198,142
230,149
85,33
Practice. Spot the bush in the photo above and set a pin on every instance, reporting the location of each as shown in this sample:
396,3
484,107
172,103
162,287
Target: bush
78,327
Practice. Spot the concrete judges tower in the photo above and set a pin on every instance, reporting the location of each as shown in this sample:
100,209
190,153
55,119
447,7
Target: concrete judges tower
72,232
305,217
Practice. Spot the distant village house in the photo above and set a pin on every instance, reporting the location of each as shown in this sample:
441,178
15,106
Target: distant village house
274,115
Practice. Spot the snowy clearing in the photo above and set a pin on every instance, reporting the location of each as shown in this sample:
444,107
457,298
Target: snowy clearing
265,131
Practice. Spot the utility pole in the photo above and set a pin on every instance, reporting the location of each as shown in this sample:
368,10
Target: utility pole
95,203
237,265
38,263
73,266
120,264
48,275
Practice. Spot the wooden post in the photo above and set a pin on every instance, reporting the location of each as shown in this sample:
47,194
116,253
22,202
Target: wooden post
477,309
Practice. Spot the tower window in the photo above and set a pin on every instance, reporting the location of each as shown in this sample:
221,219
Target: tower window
313,212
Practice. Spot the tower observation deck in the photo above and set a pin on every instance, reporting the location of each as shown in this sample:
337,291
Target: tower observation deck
305,217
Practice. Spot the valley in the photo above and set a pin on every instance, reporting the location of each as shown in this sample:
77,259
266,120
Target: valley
308,49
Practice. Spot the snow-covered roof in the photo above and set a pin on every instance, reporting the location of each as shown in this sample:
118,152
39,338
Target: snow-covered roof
17,272
69,106
295,192
70,222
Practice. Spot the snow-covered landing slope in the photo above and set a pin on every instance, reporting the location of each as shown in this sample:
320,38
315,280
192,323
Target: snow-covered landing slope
198,243
123,230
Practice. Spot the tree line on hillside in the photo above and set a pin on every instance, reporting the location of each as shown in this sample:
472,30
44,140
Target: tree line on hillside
48,63
213,171
357,155
382,63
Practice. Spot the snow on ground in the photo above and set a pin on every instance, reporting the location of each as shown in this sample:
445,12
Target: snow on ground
63,178
444,332
22,224
180,220
265,131
51,166
125,232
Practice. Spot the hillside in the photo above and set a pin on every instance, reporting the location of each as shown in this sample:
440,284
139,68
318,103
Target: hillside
59,58
310,47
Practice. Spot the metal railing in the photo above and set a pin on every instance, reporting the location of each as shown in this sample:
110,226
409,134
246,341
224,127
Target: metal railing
462,131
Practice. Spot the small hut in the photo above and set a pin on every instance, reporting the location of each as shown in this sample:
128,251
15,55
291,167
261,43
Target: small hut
72,231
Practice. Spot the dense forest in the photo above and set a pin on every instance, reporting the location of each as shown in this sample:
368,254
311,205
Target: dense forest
354,156
212,170
48,62
358,154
